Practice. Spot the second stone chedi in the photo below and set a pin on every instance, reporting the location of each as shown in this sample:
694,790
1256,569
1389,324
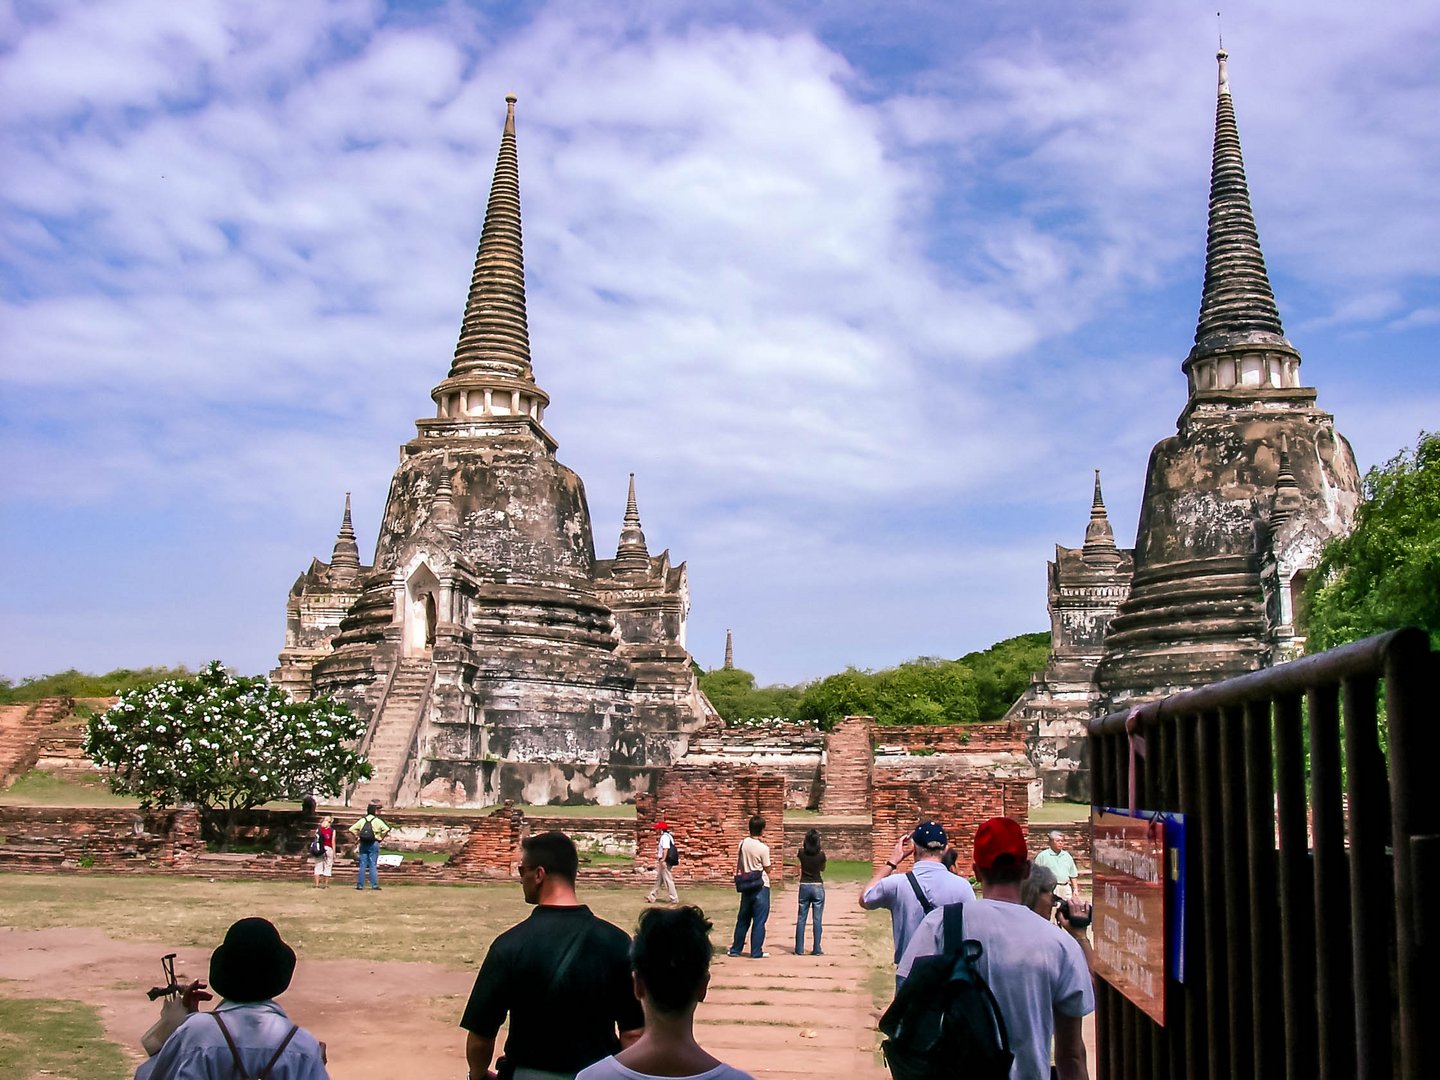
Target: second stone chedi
493,654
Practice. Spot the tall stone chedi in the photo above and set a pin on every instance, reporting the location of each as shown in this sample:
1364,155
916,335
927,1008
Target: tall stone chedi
492,654
1239,502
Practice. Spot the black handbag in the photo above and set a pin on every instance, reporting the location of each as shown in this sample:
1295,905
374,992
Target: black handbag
750,880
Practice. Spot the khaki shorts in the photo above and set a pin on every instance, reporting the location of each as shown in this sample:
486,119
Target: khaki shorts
325,865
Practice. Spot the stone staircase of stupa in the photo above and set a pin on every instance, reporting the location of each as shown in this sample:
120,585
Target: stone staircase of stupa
847,768
394,732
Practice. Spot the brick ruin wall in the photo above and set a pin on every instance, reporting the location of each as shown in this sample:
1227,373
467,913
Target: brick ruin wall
112,839
708,808
960,777
797,755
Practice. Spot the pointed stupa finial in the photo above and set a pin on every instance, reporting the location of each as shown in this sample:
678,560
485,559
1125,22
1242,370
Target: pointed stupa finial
346,556
1099,546
632,556
491,379
729,650
1239,341
495,334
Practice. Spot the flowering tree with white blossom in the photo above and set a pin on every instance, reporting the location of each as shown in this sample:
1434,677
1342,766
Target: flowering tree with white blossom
225,744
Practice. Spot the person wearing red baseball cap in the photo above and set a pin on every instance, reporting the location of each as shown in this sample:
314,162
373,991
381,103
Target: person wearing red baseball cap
664,845
1036,970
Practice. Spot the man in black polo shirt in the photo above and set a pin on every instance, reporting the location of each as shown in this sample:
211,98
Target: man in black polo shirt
562,976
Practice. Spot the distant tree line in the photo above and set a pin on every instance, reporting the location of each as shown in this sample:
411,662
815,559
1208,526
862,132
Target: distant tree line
978,687
78,684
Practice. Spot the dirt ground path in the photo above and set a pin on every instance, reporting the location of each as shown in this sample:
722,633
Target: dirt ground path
780,1017
789,1016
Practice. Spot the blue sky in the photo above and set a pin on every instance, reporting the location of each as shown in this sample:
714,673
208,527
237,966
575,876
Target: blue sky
862,293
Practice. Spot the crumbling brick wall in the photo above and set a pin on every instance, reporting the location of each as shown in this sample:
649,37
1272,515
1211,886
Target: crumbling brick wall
963,776
709,808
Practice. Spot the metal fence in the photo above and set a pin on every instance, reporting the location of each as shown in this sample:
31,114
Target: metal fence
1312,848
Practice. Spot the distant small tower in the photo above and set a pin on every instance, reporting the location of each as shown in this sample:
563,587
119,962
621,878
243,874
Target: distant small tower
345,559
729,650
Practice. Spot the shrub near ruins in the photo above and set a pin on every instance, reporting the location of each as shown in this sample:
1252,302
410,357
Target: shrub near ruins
225,744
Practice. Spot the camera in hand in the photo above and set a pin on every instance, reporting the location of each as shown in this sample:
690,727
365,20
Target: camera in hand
1079,922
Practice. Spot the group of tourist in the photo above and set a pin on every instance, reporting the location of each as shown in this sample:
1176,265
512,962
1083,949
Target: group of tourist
629,1005
368,833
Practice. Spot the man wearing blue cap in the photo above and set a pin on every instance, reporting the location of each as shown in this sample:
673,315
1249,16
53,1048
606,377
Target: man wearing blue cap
913,894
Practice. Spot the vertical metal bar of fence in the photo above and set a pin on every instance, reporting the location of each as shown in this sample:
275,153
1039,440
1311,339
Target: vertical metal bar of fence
1334,997
1234,881
1297,912
1169,1041
1212,839
1261,888
1108,1053
1415,827
1371,883
1187,746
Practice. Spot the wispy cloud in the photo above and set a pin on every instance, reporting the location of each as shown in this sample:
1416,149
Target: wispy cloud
862,311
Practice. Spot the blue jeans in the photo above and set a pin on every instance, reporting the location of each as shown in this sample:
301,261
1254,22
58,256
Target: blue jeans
365,860
812,899
754,910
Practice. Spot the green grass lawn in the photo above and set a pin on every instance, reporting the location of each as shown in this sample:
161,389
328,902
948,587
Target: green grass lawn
38,788
45,1037
1059,813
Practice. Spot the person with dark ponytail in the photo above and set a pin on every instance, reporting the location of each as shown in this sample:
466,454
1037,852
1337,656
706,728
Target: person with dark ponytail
670,964
812,891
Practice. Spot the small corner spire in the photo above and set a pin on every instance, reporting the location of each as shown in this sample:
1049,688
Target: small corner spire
1099,546
1288,498
632,556
729,650
346,555
442,510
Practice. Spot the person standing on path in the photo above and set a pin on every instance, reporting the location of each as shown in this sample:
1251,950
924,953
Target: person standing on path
671,963
754,905
812,891
664,846
369,831
912,895
1061,863
1035,969
562,976
325,862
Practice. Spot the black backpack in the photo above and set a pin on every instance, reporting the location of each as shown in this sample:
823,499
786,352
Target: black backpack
672,853
944,1021
367,830
317,845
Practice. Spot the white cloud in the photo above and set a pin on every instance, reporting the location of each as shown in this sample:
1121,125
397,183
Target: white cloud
795,286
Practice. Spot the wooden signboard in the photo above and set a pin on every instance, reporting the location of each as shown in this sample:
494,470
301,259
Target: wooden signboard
1129,917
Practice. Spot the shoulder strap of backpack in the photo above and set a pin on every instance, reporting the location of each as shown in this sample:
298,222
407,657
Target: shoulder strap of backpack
230,1042
235,1051
920,893
265,1072
954,928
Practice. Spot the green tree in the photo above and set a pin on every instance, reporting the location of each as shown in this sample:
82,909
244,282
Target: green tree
1003,671
736,697
72,683
225,744
1386,573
